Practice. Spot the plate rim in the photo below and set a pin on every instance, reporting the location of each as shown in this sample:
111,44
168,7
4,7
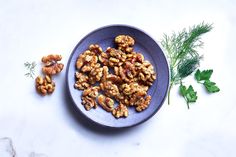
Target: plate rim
70,94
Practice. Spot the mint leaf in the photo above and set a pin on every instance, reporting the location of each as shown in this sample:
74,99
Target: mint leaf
211,86
189,94
204,75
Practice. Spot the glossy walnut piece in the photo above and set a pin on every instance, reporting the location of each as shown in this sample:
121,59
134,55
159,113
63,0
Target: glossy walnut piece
52,66
120,111
125,43
106,103
44,85
89,97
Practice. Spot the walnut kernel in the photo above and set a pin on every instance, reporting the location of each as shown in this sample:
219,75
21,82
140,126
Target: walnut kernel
52,66
120,111
44,85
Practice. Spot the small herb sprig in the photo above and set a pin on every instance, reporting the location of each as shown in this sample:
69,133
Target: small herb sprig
203,77
188,93
30,67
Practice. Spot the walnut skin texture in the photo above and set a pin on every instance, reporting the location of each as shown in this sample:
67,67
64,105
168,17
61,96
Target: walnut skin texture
120,74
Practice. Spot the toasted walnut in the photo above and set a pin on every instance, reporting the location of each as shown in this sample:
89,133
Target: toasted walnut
89,97
81,81
142,103
95,74
104,58
44,85
147,74
116,70
139,58
95,48
132,92
116,57
127,89
130,88
122,74
120,111
105,73
127,72
91,62
86,61
106,103
130,70
91,91
124,99
110,89
88,102
125,43
114,79
134,57
52,66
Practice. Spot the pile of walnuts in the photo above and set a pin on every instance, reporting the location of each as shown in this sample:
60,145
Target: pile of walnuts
120,73
45,85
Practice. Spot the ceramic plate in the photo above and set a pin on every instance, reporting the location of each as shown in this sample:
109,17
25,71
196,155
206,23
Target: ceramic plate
143,43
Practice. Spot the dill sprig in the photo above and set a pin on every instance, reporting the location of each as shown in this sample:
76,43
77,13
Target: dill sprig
181,49
30,67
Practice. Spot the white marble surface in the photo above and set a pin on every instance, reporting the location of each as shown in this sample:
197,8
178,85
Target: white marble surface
30,29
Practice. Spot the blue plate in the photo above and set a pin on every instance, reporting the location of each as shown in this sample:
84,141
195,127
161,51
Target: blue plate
143,43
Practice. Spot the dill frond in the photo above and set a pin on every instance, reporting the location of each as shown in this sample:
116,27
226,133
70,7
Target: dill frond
30,67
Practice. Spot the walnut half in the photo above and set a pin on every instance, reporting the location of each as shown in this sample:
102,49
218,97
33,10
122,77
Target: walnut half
89,97
120,111
52,66
142,103
125,43
44,85
106,103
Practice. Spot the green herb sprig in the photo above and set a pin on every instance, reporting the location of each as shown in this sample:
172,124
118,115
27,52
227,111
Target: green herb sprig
183,57
188,93
30,67
203,77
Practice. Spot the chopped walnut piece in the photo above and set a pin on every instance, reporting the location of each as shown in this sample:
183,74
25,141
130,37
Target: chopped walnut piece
95,74
120,111
86,61
114,79
124,99
91,91
91,62
110,89
142,103
95,48
125,43
52,66
81,81
88,102
89,97
104,58
147,74
44,85
116,57
106,103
